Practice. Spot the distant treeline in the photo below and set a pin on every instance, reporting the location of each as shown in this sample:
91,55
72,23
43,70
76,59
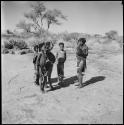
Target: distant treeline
19,41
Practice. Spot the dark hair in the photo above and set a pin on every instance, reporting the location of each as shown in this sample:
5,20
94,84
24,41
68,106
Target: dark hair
41,45
47,43
83,40
61,44
35,47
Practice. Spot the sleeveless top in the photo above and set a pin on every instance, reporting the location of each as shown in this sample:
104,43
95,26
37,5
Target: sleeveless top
82,51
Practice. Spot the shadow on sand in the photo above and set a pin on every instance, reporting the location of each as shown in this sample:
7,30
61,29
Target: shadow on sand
73,80
66,82
93,80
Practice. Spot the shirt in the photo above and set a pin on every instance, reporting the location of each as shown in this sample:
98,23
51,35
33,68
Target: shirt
61,55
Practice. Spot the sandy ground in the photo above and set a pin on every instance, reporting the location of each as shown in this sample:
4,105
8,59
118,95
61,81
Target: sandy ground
99,101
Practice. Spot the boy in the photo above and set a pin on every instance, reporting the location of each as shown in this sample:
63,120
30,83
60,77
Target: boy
81,54
61,58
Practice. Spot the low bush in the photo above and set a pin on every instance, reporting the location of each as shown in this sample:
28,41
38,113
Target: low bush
19,44
22,52
5,51
25,51
8,45
30,51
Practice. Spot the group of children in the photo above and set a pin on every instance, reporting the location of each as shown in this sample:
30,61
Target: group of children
60,58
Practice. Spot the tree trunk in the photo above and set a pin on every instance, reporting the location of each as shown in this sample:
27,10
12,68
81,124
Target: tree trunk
49,22
48,26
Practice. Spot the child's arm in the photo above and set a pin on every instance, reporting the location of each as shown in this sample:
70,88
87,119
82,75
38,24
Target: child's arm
34,59
87,51
65,56
38,58
56,56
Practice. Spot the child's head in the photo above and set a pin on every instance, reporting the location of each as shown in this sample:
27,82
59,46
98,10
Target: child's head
36,48
81,41
61,45
41,46
48,45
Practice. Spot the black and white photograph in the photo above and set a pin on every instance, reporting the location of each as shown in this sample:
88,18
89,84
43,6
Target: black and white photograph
62,62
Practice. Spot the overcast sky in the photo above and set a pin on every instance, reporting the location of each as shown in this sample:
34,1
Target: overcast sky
83,16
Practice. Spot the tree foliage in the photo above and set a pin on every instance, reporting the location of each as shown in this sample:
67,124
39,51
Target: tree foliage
53,16
37,15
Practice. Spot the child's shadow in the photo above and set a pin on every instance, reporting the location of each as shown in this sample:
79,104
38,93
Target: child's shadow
69,81
93,80
66,82
54,80
73,80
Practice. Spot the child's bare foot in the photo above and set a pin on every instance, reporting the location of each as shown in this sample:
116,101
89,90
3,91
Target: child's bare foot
51,87
43,92
80,85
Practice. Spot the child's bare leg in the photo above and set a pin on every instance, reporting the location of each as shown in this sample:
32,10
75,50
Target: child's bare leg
79,75
50,83
37,79
84,76
46,85
49,76
81,72
42,83
80,79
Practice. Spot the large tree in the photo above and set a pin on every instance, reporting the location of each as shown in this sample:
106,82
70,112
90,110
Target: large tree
37,15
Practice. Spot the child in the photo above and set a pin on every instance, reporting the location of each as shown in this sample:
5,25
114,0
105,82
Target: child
61,58
34,61
40,67
82,53
50,61
45,62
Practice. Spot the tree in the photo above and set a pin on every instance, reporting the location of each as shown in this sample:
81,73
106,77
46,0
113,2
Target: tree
53,16
37,15
24,26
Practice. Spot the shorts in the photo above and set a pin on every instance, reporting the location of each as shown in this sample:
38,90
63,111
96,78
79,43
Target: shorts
81,65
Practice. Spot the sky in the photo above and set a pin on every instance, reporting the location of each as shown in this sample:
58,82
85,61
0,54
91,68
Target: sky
93,17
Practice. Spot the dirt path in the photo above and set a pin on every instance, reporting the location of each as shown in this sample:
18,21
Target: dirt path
99,101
